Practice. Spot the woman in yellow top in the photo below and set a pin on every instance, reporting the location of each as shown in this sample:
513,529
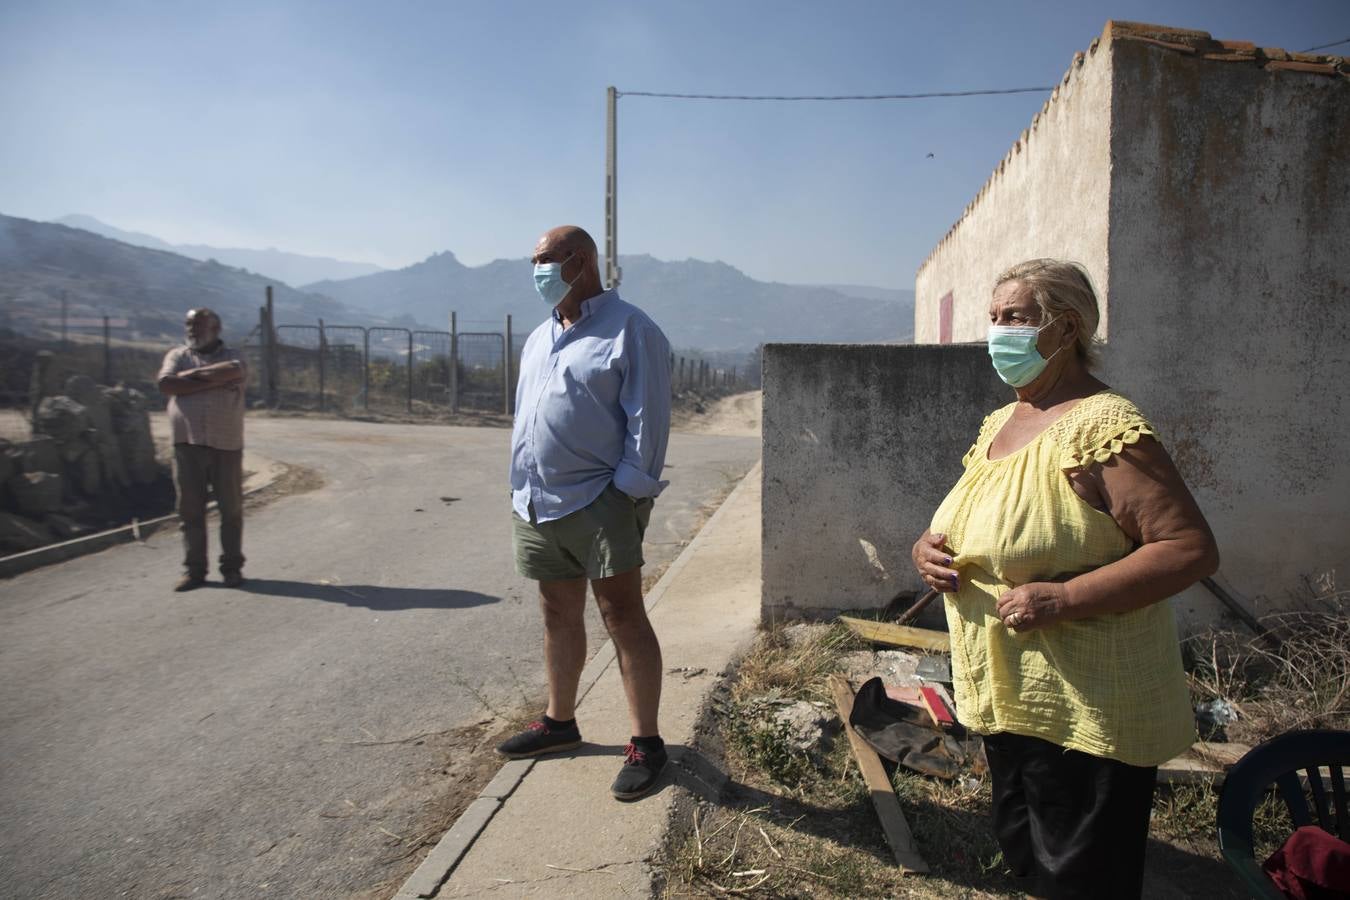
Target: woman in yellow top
1057,551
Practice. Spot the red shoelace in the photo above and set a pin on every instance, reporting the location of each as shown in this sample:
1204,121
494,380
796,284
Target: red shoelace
632,756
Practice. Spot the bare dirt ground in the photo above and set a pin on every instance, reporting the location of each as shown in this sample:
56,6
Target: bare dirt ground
739,414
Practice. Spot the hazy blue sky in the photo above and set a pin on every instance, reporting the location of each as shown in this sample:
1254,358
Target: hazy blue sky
388,131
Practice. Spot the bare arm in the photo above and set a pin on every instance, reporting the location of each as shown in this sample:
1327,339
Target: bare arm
1145,494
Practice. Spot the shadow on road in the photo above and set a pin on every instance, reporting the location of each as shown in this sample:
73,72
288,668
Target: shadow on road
369,596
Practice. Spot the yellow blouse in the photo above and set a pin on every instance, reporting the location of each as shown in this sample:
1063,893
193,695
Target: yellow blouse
1110,685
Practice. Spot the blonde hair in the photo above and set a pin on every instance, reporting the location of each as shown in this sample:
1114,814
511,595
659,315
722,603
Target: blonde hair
1061,287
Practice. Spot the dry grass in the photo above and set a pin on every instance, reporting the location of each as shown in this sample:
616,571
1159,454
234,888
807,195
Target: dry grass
1304,683
791,827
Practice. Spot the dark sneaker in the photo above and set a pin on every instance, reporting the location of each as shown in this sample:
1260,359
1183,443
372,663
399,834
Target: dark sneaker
189,583
539,739
639,773
233,579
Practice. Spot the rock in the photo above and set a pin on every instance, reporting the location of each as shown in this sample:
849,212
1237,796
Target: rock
811,726
64,420
893,666
84,391
35,493
9,460
131,424
41,454
18,534
64,527
87,472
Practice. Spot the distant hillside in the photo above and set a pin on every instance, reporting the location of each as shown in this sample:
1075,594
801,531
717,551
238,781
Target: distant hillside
293,269
150,288
703,305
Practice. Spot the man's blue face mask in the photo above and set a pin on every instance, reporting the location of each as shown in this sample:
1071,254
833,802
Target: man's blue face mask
1013,350
548,281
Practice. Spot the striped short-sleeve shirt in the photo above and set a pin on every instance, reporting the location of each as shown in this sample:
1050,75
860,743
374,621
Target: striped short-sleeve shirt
211,418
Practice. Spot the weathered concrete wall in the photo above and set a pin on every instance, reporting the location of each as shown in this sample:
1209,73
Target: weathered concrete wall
1221,259
1230,302
1048,197
861,443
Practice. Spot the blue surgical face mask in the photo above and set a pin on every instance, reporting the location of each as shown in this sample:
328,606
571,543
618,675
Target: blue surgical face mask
548,281
1013,350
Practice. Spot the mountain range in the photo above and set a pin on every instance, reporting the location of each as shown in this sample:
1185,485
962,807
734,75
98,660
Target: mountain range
700,305
293,269
709,306
42,263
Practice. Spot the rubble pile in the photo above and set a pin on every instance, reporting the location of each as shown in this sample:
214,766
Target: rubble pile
90,464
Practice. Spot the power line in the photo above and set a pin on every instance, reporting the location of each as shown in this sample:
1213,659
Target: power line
1025,90
1325,46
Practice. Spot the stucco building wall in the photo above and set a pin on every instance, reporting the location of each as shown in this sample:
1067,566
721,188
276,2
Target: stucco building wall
1222,260
1048,197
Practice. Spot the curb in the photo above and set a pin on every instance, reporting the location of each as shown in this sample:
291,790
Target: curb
441,862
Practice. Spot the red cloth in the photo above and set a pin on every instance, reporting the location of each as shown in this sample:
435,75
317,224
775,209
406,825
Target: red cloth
1312,865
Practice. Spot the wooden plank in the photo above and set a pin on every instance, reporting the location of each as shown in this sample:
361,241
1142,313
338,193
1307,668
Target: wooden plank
1205,763
898,635
898,835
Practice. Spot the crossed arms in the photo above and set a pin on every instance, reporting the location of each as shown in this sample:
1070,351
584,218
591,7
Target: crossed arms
202,378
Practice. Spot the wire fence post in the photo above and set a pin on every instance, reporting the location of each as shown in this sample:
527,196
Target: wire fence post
365,369
270,354
107,352
506,368
454,364
323,351
410,369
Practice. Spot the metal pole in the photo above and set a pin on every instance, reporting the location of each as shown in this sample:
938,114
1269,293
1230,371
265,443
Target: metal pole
365,369
323,351
410,370
273,357
454,364
507,398
612,271
107,352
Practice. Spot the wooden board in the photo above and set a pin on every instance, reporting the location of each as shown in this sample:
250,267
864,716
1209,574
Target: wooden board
898,635
1205,763
898,835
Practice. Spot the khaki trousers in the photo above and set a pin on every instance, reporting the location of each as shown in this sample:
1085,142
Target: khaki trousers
195,469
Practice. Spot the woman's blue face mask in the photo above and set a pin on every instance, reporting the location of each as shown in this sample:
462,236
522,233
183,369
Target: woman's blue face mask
1013,350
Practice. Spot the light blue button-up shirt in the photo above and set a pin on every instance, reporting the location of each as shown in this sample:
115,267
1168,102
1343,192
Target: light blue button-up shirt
592,406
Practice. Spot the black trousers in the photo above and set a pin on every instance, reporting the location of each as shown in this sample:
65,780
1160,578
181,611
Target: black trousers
1074,823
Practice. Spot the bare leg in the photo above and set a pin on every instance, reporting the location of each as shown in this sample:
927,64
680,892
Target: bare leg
564,606
620,600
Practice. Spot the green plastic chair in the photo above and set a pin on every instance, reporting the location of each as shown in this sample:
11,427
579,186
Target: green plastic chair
1278,761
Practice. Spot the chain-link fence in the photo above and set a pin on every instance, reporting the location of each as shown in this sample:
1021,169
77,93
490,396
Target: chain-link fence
300,367
387,369
431,369
481,379
344,364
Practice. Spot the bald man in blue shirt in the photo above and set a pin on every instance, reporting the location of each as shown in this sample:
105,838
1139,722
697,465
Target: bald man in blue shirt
587,450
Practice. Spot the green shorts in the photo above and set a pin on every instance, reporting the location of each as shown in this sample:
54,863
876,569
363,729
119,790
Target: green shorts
598,541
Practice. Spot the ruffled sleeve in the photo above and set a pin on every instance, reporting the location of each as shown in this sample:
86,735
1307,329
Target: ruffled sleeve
1098,428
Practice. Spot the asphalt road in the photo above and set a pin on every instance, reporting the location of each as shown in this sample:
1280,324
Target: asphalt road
277,740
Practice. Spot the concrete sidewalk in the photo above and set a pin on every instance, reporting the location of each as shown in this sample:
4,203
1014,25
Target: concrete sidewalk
550,827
